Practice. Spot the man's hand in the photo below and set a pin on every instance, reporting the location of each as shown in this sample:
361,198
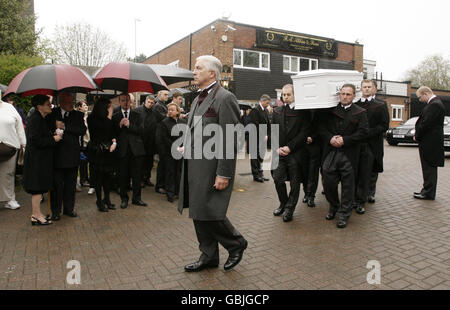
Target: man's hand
57,138
284,151
60,125
221,183
113,147
414,138
124,122
340,141
309,140
180,149
336,142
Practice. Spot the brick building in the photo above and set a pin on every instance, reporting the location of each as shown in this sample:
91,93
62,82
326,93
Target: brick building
259,60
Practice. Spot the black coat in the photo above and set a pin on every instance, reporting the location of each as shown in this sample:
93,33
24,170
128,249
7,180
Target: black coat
430,133
160,109
294,127
149,125
101,133
164,139
67,151
39,152
378,119
258,116
351,124
128,137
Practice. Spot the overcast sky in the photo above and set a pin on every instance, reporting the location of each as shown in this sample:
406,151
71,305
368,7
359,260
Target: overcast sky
397,34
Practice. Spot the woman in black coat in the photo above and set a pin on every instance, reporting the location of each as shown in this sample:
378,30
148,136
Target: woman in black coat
164,140
100,151
38,160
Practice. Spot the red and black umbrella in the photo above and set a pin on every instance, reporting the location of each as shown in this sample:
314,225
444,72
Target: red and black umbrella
46,79
172,74
129,77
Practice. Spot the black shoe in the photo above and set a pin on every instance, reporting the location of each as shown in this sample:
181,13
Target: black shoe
305,199
139,203
35,221
330,216
287,215
279,211
235,258
124,204
311,202
199,266
265,179
260,180
71,214
101,206
341,223
149,183
360,209
422,196
371,199
55,217
109,205
170,198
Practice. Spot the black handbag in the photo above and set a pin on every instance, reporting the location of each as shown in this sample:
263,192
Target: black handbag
6,152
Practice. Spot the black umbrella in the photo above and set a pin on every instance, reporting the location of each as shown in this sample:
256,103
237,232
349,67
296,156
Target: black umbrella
172,74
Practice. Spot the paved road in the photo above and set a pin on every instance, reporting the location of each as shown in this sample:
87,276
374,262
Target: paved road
147,247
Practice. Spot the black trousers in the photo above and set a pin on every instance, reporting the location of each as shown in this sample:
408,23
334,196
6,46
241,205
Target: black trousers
84,175
364,177
173,175
211,233
338,169
256,164
101,180
373,183
160,174
311,159
288,170
147,166
130,166
430,177
62,198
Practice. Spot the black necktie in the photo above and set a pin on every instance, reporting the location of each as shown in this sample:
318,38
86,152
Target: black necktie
66,115
126,114
202,96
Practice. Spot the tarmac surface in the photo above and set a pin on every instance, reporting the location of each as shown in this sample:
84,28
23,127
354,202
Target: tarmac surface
148,247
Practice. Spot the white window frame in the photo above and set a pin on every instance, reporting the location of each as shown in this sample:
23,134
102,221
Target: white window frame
398,108
311,60
241,66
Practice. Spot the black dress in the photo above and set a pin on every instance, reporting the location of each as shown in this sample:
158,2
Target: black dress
38,160
101,134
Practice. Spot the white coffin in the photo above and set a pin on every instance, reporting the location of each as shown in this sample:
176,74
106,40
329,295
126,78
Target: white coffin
318,89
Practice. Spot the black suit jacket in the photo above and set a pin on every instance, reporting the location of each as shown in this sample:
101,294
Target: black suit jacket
291,134
430,132
378,120
67,151
351,124
128,137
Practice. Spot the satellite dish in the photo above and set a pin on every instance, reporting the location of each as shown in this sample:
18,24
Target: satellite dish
226,15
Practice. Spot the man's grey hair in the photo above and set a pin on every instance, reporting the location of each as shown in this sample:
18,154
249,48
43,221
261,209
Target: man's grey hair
212,63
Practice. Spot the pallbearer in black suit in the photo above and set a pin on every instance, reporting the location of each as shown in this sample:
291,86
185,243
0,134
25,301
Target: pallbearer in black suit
311,158
260,117
207,182
430,135
67,155
342,129
130,150
372,149
293,131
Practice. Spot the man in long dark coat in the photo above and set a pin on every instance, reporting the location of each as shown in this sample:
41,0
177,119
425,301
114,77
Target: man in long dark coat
342,130
372,150
293,131
430,135
207,181
260,117
67,155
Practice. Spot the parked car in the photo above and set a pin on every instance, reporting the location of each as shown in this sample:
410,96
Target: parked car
405,133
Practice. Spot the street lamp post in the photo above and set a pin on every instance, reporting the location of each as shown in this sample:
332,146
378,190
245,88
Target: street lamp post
135,52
